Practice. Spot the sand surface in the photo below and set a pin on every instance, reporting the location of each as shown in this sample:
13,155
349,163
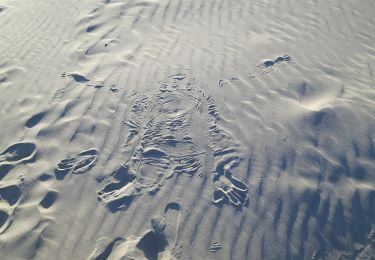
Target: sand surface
187,129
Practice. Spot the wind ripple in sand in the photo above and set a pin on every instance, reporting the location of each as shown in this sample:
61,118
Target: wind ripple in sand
162,141
311,147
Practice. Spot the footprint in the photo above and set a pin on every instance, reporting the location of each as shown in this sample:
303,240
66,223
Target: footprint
161,242
76,80
268,65
118,195
9,198
49,199
172,218
229,189
278,60
11,194
224,82
215,247
158,242
77,164
35,119
17,153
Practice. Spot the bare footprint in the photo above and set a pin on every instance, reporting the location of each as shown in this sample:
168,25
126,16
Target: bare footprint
77,164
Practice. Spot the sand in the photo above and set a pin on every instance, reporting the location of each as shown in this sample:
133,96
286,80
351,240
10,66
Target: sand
187,129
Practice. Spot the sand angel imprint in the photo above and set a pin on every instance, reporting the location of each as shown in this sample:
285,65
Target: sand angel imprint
168,134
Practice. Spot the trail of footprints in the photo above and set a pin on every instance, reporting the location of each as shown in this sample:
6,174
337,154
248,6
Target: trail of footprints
10,190
266,66
9,199
160,142
75,81
167,133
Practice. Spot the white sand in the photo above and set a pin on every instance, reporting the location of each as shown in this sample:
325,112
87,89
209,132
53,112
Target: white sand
187,129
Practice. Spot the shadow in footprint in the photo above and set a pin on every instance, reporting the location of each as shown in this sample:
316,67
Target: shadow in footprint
79,78
151,244
162,241
17,153
11,194
49,199
3,219
4,170
110,194
35,119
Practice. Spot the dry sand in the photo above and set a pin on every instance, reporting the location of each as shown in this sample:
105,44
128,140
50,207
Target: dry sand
187,129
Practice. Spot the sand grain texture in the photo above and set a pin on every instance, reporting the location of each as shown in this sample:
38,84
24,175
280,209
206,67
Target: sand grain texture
187,129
